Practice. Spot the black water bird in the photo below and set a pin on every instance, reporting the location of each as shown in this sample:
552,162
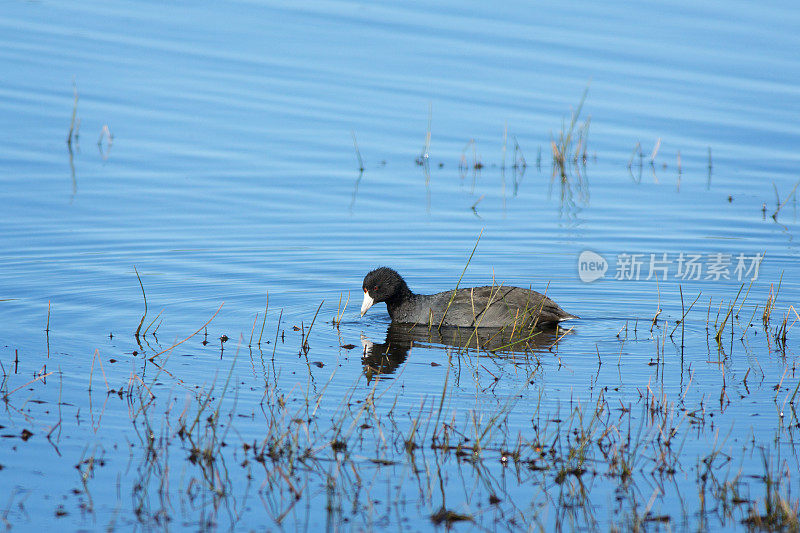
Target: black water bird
489,306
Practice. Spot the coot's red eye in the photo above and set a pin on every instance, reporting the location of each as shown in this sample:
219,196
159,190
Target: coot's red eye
375,288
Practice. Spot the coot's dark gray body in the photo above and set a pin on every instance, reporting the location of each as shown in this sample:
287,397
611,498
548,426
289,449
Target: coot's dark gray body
488,306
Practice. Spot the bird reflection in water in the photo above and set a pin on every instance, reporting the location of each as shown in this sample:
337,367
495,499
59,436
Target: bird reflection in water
386,357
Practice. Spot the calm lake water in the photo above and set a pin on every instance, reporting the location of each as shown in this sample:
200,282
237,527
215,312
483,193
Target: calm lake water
213,153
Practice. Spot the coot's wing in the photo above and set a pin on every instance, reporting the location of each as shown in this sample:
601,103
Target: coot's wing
497,306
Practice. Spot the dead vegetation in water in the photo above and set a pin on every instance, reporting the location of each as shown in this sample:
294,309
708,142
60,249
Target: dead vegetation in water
570,146
255,443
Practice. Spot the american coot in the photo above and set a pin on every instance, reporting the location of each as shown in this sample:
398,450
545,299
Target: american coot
492,307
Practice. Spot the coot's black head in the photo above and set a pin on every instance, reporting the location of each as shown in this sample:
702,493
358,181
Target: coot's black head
383,285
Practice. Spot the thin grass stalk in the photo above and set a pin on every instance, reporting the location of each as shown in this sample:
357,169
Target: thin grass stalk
264,322
74,112
308,332
145,302
358,152
151,323
190,336
277,331
453,295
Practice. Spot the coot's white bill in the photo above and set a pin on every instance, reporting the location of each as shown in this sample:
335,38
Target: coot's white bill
367,303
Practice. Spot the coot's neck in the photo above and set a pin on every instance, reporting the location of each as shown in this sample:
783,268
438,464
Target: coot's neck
401,297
